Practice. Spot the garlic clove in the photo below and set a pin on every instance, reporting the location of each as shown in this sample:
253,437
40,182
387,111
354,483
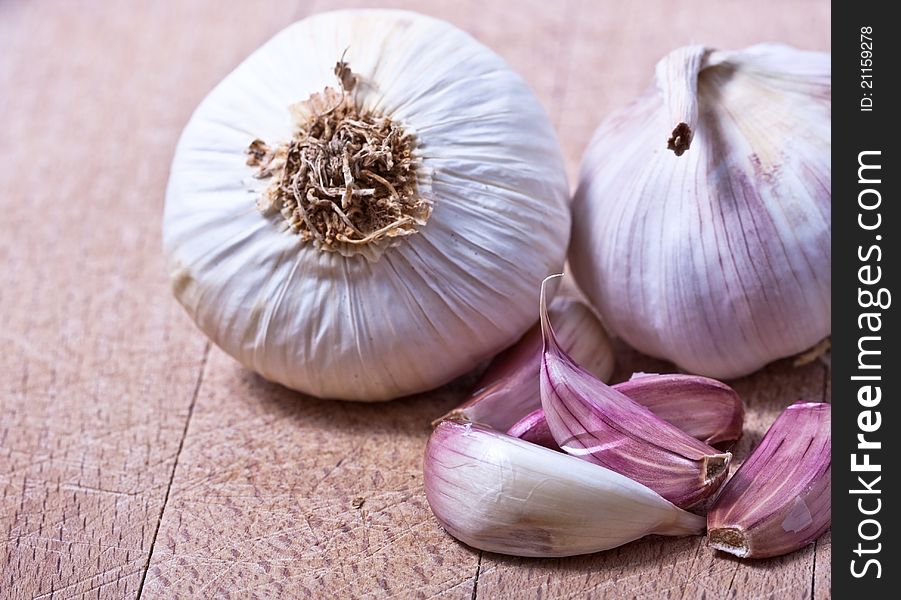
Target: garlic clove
705,409
728,243
509,387
533,428
501,494
779,499
597,423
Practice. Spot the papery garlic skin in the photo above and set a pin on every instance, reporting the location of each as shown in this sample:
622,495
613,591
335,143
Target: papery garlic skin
501,494
435,303
508,389
717,259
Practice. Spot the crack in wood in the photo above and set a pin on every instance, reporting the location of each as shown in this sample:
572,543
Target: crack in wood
181,445
475,583
813,570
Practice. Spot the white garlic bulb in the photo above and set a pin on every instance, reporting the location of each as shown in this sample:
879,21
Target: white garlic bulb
716,255
396,216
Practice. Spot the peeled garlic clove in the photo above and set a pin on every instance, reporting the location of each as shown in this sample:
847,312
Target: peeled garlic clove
509,387
533,428
779,499
501,494
424,253
705,409
726,234
595,422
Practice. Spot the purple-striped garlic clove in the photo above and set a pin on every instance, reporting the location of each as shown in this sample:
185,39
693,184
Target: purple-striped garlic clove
779,499
705,409
597,423
509,387
533,428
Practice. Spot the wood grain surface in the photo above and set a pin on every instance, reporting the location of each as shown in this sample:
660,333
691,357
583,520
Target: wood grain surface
136,461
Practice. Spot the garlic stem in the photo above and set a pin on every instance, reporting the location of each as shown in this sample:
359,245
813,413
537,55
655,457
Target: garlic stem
677,79
324,181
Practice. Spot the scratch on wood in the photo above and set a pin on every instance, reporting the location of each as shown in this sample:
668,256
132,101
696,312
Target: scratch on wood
87,489
94,585
395,538
326,476
691,567
222,572
732,580
313,531
181,444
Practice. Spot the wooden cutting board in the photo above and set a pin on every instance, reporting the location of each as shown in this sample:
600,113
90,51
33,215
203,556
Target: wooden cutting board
137,460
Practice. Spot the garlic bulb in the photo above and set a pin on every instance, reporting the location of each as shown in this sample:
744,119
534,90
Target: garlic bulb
715,255
403,198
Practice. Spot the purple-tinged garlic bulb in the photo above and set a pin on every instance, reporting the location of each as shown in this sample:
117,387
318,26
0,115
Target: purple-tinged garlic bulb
701,225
